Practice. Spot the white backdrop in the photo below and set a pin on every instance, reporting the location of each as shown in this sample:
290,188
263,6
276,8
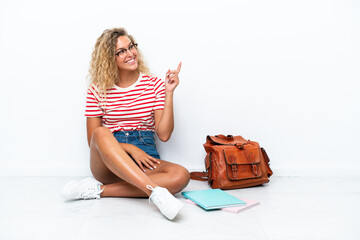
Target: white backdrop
284,73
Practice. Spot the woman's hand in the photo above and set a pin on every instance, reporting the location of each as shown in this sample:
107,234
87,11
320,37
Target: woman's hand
143,159
172,79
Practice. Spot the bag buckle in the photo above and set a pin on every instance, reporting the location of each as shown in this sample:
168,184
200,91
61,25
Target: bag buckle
255,169
240,146
234,168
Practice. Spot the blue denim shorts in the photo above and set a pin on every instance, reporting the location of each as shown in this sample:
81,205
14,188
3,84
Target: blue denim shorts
145,140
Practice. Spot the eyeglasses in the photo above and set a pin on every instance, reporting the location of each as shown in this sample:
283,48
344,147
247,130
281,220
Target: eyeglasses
123,53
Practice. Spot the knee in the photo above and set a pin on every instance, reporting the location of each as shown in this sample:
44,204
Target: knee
99,133
180,179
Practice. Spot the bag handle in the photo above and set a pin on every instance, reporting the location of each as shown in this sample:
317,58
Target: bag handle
228,137
226,140
201,176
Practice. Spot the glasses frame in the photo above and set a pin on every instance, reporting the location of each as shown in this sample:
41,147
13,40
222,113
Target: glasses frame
130,49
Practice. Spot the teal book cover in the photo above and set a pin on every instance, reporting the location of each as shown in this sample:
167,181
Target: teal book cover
213,199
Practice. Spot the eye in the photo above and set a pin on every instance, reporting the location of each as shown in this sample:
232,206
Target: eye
121,52
131,47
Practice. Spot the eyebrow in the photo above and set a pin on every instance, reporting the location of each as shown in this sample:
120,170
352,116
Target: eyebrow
124,48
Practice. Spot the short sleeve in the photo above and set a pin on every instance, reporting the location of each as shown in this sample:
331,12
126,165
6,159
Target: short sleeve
93,107
159,94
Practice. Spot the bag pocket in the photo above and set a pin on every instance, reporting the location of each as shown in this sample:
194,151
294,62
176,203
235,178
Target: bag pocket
242,163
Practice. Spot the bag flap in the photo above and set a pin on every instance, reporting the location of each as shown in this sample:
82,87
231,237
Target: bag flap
225,140
248,155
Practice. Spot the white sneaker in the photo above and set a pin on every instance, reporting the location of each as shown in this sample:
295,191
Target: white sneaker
168,205
88,188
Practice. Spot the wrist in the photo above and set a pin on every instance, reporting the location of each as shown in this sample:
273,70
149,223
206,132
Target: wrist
127,147
169,93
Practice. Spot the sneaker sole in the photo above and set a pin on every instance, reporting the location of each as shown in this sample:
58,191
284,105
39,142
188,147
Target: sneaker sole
179,206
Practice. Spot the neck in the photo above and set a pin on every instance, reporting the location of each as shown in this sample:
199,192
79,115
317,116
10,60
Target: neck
127,78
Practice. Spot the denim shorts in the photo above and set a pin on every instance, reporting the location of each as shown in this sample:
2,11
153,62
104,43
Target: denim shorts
145,140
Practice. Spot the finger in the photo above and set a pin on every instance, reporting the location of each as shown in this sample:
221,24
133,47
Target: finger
179,67
140,166
151,164
172,72
154,160
147,164
173,79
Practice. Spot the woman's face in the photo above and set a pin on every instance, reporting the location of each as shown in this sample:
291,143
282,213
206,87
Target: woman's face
127,55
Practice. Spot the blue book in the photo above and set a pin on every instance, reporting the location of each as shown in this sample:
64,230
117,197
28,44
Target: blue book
213,199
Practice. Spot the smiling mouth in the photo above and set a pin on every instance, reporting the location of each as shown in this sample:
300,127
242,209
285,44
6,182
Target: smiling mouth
131,61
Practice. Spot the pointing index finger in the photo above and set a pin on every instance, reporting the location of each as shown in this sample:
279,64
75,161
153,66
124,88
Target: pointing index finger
179,67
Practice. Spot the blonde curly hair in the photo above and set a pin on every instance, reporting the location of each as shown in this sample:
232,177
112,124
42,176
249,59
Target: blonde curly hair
103,70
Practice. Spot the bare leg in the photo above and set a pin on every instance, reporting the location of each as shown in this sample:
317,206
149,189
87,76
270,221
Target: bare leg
168,175
111,165
108,158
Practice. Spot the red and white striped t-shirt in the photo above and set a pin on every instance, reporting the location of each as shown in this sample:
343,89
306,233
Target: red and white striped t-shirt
128,109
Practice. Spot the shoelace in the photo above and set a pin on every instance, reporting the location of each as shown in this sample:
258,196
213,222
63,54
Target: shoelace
151,189
156,200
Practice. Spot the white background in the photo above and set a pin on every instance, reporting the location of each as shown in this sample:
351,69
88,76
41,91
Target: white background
283,73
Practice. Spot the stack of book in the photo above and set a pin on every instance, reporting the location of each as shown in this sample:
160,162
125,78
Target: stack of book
211,199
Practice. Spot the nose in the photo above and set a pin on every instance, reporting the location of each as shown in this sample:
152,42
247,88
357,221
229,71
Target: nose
129,53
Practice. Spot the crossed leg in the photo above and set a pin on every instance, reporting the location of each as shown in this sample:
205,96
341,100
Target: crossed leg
121,177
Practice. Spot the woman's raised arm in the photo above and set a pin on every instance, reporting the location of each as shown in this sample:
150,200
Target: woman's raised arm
164,119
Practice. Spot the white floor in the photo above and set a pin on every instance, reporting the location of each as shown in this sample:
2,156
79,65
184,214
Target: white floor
290,208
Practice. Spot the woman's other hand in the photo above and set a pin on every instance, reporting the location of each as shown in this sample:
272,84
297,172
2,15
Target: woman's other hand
172,79
142,159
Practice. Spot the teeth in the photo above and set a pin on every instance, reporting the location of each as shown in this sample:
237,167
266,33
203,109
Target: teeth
131,60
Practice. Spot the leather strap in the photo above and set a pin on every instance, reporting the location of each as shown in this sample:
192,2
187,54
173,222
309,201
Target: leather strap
267,160
225,140
201,176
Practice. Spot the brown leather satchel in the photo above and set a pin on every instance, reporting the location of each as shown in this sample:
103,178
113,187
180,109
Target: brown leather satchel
232,162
